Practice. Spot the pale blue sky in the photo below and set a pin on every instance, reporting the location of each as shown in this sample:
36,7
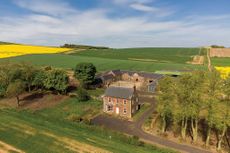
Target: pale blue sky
116,23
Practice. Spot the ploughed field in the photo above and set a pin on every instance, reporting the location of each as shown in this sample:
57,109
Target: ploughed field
139,59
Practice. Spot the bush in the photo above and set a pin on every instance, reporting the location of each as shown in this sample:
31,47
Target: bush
74,118
134,140
82,94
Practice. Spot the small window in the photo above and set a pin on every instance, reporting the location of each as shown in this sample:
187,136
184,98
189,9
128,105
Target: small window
124,102
109,99
137,99
110,108
125,111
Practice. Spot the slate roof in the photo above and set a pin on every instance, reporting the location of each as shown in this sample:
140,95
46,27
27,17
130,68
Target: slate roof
145,74
150,75
119,92
107,77
116,72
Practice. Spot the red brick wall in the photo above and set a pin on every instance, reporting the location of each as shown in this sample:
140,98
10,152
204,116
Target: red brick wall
120,105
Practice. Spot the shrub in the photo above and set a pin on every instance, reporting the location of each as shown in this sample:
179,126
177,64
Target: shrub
82,94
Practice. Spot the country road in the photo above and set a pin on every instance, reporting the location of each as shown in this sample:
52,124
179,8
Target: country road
135,128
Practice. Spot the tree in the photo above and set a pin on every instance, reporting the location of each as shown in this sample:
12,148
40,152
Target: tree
29,72
82,94
57,79
85,73
5,76
15,89
166,100
189,102
221,122
223,119
214,84
38,79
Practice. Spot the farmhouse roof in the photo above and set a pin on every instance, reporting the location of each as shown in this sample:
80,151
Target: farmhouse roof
145,74
112,73
119,92
107,77
116,72
150,75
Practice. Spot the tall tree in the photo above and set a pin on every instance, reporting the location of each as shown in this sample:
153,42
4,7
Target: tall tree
189,89
166,100
85,73
213,89
223,122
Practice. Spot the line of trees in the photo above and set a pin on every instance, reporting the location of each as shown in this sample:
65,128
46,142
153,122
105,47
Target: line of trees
83,46
195,104
18,78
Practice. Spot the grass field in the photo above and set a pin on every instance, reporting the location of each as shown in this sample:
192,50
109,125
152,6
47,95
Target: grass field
102,64
73,109
11,50
220,61
48,131
157,55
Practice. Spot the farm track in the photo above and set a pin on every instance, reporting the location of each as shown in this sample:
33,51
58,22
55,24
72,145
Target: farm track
6,148
135,128
209,60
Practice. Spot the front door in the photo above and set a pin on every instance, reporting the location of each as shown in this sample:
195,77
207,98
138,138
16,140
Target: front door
117,110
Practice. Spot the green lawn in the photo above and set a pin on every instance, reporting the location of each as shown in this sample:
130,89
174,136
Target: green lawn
140,112
36,132
220,61
102,64
157,55
72,110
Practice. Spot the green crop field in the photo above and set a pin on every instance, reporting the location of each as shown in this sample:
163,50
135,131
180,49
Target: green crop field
158,55
102,64
48,131
220,61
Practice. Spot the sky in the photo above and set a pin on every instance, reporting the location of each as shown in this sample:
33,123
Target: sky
116,23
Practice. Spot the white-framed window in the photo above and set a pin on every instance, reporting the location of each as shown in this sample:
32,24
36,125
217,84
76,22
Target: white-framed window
117,102
125,102
109,108
125,110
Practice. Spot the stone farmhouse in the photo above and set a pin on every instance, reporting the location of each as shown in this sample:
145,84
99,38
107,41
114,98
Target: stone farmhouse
142,80
121,101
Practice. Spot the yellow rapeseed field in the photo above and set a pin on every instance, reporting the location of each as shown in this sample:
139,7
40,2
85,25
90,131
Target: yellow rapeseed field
224,71
18,50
